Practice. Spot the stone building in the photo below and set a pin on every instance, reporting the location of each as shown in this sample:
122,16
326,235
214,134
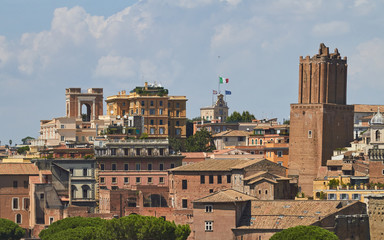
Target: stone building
260,178
83,112
218,111
230,214
15,196
321,121
164,115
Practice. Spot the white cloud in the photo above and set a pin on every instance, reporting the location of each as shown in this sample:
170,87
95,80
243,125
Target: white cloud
115,67
364,7
333,28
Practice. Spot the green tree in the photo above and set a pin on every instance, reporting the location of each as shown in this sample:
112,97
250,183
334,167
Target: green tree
26,139
22,150
133,227
10,142
333,183
304,233
202,141
10,230
287,122
177,144
237,117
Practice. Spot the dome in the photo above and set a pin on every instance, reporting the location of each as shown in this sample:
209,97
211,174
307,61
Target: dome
377,118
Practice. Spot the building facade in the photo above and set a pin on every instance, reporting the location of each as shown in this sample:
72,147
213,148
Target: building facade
321,121
218,111
164,115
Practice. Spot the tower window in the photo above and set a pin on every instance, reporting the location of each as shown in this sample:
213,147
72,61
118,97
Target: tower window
310,134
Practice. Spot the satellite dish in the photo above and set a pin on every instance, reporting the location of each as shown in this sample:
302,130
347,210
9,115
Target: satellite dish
111,111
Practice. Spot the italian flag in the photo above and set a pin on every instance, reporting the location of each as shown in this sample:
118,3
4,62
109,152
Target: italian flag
223,80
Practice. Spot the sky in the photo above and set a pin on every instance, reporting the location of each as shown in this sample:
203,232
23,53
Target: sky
47,46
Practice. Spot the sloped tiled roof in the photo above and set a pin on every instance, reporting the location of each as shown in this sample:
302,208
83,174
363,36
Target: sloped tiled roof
228,195
194,154
334,162
286,214
210,165
232,133
260,179
18,169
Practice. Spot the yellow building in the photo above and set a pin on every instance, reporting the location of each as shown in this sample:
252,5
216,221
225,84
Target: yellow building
164,116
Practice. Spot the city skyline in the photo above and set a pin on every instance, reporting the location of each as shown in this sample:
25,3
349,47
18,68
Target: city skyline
183,45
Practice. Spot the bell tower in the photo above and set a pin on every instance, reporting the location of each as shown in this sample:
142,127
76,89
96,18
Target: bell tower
92,99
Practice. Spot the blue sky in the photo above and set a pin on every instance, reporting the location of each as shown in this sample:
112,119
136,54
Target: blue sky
47,46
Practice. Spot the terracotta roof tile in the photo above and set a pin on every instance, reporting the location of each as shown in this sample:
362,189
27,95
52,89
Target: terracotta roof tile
334,162
233,133
18,169
285,214
228,195
211,165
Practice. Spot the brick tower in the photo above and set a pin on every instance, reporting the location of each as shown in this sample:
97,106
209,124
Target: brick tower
321,121
92,99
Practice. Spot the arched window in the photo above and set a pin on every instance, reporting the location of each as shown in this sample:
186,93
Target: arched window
261,141
86,189
252,142
377,135
256,142
73,191
18,218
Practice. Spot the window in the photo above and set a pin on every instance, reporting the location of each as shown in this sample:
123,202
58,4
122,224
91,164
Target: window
178,131
62,138
51,219
15,203
18,218
208,208
331,196
160,111
138,180
225,139
177,123
184,203
228,178
138,151
126,166
126,151
202,179
151,103
266,192
15,184
83,138
41,195
151,111
161,167
161,151
114,166
377,135
279,154
161,122
177,105
85,172
177,113
126,180
261,141
240,139
210,179
343,196
160,103
149,180
310,134
101,166
114,180
161,130
280,163
208,226
161,179
152,130
62,126
26,203
113,151
184,184
149,151
102,180
142,111
71,171
383,171
150,166
172,165
90,138
219,180
142,103
356,196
